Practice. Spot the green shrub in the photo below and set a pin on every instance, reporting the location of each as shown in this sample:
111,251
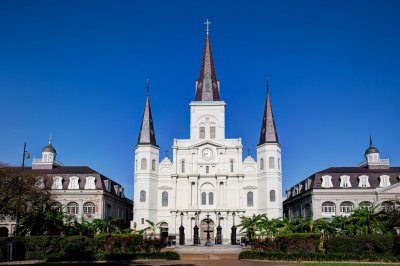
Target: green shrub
131,243
360,244
297,242
280,256
169,255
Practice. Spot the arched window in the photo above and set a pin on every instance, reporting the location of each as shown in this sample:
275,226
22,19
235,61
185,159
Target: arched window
365,205
164,199
211,198
271,163
73,182
328,207
153,165
250,199
387,206
142,196
346,207
262,164
231,166
72,208
143,164
212,132
272,196
203,198
183,166
202,132
89,208
90,183
207,169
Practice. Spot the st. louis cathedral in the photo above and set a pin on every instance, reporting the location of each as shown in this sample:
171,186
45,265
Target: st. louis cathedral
207,185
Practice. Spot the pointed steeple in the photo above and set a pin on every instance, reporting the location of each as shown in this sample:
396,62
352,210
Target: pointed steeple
146,134
207,88
268,128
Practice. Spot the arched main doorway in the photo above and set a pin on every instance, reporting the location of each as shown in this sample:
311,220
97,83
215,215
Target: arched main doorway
3,231
203,234
164,230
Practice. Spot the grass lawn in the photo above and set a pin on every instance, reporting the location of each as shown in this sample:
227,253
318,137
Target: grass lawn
346,264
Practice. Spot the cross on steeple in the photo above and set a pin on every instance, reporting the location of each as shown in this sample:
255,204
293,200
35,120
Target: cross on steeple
147,87
207,23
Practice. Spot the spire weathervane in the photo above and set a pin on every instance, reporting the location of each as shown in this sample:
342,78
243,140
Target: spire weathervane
147,87
207,23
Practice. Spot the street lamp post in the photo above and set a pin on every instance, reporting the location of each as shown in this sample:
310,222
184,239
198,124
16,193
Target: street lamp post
219,230
233,230
196,230
181,232
25,155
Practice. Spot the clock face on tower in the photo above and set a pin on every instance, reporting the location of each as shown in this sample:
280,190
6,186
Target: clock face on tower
207,153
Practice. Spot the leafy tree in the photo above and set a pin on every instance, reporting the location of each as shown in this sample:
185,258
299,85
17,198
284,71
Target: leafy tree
20,191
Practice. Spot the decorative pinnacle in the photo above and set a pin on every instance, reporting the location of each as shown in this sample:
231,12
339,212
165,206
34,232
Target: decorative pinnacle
248,151
207,25
166,153
267,85
50,138
370,140
147,87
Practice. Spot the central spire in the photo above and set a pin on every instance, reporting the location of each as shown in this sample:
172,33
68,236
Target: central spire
207,86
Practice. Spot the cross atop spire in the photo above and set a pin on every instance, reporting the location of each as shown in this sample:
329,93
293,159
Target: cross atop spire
146,134
269,133
207,86
147,87
207,23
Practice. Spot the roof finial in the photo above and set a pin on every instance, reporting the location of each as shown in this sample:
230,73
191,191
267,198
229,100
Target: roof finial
147,87
166,153
370,140
267,85
207,25
50,138
248,151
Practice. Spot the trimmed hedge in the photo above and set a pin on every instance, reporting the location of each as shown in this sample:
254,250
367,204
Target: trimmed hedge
299,242
103,247
382,244
168,255
279,256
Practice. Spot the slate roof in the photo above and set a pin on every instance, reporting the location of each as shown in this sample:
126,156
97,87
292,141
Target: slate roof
207,85
269,134
315,180
146,133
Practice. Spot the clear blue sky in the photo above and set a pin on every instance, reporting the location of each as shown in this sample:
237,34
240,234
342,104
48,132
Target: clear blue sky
78,69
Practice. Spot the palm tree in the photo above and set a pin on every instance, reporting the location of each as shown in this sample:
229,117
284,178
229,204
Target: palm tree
367,221
152,228
249,225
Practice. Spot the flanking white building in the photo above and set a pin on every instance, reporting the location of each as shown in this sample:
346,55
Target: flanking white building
207,174
339,190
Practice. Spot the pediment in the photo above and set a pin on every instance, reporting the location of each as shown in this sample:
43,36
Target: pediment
391,189
207,142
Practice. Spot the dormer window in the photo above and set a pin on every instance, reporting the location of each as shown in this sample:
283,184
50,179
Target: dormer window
73,182
345,181
57,182
327,181
384,181
90,183
363,181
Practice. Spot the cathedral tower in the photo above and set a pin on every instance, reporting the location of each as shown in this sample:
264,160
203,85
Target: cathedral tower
207,112
269,165
146,168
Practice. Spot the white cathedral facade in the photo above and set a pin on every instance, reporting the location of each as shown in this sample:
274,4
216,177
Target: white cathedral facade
207,176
